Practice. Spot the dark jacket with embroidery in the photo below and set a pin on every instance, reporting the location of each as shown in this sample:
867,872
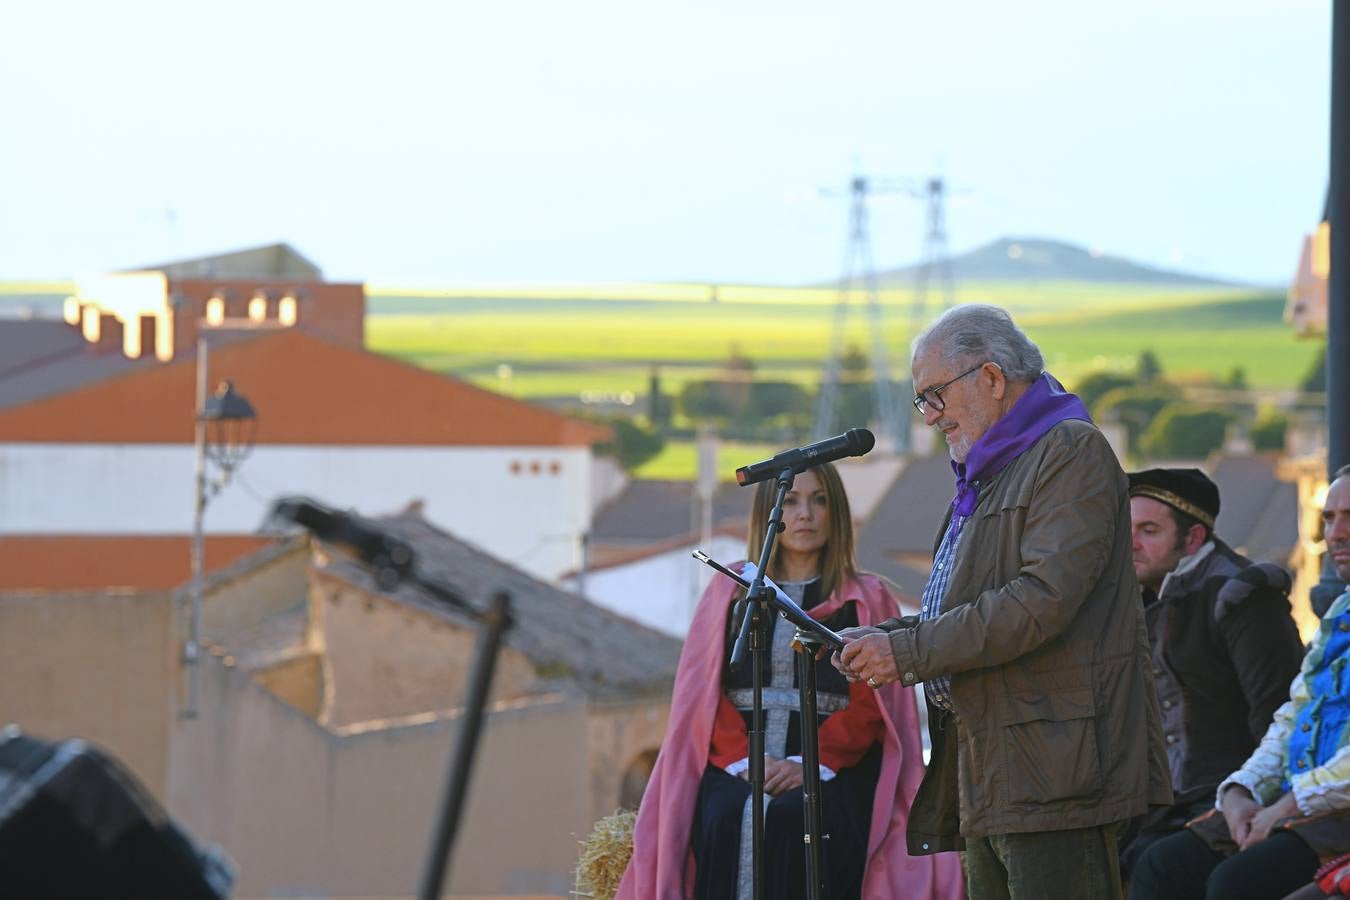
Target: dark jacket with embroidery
1224,650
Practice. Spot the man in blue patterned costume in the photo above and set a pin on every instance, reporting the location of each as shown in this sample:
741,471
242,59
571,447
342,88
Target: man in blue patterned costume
1288,808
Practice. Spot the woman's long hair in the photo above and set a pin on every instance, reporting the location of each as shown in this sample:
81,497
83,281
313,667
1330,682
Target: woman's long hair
837,561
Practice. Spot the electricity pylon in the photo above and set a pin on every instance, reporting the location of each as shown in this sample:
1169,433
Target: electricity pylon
935,261
858,266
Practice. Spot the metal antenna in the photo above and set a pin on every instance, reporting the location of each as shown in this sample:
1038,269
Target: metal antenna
858,264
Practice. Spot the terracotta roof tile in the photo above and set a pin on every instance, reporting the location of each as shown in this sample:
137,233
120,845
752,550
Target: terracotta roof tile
93,562
307,392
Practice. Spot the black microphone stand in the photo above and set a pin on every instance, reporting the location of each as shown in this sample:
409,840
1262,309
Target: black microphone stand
492,626
753,623
391,560
807,644
759,604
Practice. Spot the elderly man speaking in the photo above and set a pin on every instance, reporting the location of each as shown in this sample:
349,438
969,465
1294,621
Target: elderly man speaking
1030,644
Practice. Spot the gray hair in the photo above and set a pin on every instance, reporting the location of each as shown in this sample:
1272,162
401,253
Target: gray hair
974,332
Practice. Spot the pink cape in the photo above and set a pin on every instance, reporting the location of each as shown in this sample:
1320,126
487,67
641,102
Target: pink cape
662,865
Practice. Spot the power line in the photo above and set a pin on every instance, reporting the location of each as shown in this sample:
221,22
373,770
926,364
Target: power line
935,259
858,265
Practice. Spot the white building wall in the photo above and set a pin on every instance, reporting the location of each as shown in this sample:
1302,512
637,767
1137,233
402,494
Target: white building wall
525,505
660,591
608,480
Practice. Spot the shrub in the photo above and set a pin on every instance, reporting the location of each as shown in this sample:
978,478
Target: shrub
1092,387
1184,431
1149,370
1134,407
771,399
632,445
1268,432
749,405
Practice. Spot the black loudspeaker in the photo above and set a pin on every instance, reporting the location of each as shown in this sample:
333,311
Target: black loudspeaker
75,823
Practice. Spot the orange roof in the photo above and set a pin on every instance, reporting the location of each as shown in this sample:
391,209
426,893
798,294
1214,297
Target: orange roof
306,391
93,562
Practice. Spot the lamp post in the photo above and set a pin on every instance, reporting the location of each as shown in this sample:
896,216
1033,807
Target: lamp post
224,436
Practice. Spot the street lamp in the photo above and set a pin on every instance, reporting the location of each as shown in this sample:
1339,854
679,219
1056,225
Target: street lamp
224,437
229,420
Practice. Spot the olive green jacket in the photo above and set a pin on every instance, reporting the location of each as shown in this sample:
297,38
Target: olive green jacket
1042,631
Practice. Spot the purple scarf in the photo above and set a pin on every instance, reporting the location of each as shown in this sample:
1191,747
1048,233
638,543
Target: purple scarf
1042,407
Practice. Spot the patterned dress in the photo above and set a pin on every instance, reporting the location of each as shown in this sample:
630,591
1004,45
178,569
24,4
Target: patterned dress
850,727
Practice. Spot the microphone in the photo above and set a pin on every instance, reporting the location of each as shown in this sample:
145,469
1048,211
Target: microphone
854,442
389,556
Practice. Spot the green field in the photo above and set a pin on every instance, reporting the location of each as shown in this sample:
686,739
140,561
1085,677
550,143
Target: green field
36,288
679,459
603,341
568,344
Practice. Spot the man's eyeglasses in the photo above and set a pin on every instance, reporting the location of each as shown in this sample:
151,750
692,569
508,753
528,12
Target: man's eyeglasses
933,396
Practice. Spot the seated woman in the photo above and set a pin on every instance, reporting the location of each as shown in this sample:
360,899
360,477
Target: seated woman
693,832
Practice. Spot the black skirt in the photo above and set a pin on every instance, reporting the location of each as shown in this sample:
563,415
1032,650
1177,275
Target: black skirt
846,816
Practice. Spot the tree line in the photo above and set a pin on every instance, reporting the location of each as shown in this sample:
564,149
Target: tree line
1159,421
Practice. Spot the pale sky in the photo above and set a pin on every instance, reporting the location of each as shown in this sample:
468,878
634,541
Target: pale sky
618,140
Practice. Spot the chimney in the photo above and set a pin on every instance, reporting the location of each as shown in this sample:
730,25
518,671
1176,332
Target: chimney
145,328
110,334
89,322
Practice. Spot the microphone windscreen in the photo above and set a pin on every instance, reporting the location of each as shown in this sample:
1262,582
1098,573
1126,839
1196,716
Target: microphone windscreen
862,441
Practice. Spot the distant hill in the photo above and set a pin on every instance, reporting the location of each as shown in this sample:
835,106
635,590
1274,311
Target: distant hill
1038,259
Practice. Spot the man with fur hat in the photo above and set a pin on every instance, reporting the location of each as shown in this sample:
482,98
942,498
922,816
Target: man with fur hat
1223,642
